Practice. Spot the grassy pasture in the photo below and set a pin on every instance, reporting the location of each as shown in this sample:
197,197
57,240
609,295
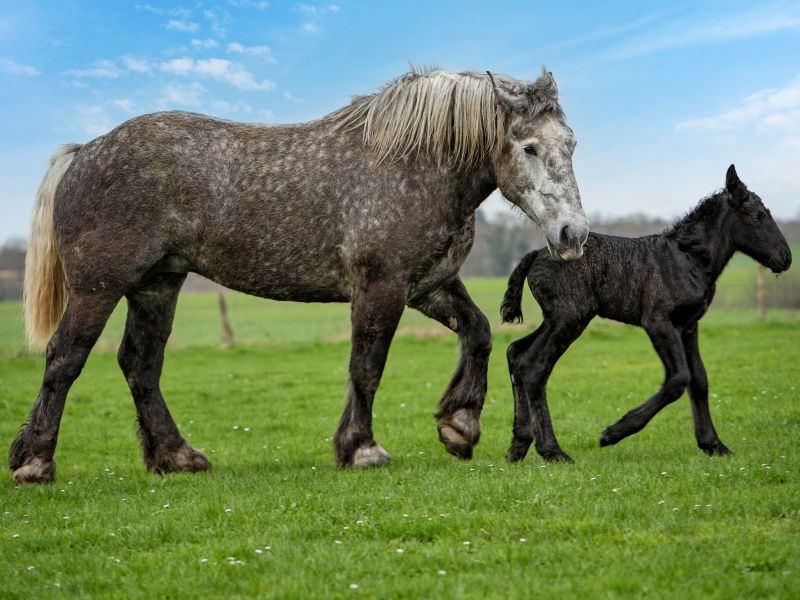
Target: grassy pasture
652,516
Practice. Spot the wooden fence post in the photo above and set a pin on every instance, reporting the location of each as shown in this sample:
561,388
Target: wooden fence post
227,331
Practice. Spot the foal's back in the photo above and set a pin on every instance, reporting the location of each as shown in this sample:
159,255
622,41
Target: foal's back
619,278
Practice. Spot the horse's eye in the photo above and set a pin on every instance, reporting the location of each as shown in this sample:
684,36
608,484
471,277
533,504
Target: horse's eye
529,149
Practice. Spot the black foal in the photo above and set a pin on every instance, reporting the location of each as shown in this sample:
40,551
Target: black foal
663,283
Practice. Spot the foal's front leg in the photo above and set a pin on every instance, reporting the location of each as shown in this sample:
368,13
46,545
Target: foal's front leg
707,438
375,311
667,343
460,408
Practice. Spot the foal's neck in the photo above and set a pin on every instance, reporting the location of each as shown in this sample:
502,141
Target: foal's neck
703,235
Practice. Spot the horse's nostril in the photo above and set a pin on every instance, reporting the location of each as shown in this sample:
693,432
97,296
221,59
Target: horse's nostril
563,236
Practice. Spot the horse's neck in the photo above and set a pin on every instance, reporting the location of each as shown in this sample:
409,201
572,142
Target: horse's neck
709,247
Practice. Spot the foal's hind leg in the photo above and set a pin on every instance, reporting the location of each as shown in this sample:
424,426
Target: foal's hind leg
31,454
706,435
531,361
151,309
375,311
668,344
460,408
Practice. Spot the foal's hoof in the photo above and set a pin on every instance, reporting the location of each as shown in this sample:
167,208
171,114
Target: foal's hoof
609,437
183,460
35,470
460,432
518,450
556,455
716,449
370,456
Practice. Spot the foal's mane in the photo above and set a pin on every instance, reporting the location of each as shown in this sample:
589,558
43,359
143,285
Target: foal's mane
706,212
450,116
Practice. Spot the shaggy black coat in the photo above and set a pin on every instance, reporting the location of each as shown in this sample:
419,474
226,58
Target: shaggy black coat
663,283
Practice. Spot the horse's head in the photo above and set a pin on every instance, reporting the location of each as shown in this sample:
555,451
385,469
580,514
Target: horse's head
533,165
753,229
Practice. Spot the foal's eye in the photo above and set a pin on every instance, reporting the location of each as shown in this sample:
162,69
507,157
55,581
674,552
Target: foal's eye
529,149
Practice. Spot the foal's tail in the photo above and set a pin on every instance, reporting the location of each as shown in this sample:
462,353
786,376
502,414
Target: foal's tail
511,308
44,293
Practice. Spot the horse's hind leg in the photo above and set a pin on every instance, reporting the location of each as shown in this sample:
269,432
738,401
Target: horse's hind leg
151,310
375,311
705,433
32,454
460,408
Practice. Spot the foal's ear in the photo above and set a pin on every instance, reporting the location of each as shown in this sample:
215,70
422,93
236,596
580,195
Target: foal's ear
734,186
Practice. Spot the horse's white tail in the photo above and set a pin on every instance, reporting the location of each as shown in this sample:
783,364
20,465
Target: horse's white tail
44,294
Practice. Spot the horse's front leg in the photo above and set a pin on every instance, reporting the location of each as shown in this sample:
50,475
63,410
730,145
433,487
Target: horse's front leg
460,408
375,311
705,433
667,343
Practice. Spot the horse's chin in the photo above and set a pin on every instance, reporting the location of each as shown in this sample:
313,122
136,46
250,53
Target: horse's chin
565,254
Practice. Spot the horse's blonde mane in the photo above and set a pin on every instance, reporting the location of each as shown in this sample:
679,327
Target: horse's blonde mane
450,116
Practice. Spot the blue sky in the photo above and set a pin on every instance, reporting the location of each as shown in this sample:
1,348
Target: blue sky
662,96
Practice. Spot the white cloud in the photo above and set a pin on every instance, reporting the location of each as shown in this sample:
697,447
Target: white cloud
178,66
102,69
182,95
123,104
134,64
158,10
231,108
207,43
314,15
218,69
264,52
291,98
12,67
776,110
93,120
181,25
754,23
257,4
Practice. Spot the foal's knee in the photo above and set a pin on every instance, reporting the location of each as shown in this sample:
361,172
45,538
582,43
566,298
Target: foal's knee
676,383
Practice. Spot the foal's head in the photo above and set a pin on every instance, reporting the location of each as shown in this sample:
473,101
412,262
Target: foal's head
752,229
534,164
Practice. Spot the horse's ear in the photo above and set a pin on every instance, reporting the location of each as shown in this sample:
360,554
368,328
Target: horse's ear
734,186
547,85
510,103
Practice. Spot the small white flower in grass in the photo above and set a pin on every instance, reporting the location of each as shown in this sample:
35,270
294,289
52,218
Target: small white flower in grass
359,522
661,502
402,405
228,510
708,506
268,548
441,572
615,490
63,490
346,527
66,518
235,427
337,542
675,509
523,540
259,551
15,536
247,430
400,551
203,561
166,505
152,491
663,472
69,483
31,567
467,543
353,586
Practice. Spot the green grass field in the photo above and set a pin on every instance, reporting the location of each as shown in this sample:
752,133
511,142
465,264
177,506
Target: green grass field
652,516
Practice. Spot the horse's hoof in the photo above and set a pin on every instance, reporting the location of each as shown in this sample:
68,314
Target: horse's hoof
460,433
35,470
518,450
370,456
716,449
184,460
